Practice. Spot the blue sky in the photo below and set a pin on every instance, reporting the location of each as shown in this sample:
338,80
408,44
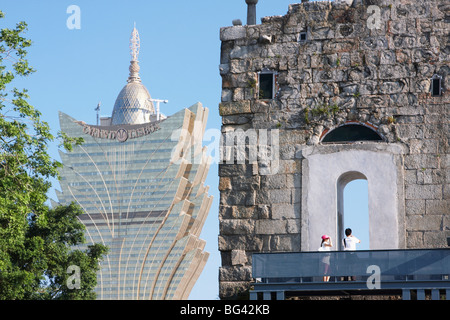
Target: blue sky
179,59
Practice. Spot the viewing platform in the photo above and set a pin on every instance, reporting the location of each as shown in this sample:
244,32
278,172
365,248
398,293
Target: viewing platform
411,274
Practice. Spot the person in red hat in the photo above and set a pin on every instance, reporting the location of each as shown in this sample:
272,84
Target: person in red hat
326,246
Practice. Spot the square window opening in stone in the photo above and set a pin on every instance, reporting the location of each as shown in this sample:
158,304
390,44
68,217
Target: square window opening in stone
303,37
267,85
436,86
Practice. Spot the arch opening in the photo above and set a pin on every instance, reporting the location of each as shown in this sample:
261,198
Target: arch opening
352,208
356,211
351,133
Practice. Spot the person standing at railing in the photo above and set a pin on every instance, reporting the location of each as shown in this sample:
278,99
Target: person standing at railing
350,240
349,243
325,246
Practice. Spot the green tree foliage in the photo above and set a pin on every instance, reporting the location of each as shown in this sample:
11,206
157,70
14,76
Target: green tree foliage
37,244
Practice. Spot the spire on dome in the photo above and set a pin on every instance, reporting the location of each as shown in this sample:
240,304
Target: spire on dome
135,44
133,104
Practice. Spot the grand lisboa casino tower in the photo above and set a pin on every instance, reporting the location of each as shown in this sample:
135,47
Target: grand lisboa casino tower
139,178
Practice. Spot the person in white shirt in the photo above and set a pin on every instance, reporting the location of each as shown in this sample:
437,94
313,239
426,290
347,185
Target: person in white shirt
350,240
349,243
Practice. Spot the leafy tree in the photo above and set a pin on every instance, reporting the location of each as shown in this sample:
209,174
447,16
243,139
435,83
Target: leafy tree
53,241
37,244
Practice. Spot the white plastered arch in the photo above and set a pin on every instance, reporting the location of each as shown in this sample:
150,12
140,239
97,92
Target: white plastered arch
326,169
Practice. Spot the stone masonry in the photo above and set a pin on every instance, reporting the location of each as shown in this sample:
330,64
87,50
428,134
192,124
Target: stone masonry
354,64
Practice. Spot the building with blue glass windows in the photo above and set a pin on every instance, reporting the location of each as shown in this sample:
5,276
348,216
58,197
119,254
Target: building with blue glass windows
139,178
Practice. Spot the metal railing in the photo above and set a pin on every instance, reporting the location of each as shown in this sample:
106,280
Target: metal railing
391,263
392,269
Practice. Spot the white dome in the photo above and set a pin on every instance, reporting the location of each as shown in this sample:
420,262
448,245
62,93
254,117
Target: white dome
133,105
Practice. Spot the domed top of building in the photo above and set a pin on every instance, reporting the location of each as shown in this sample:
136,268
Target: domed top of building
133,104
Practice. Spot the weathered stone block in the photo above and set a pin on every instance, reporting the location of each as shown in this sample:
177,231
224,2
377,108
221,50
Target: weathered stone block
240,242
234,289
396,72
280,196
233,33
415,207
424,176
321,32
239,257
245,52
225,212
435,239
238,198
391,87
269,226
338,45
264,212
246,183
421,161
244,212
276,181
235,272
423,192
236,226
240,66
231,108
230,170
423,223
283,243
414,240
407,131
224,183
401,41
404,99
439,207
236,120
227,95
286,211
293,226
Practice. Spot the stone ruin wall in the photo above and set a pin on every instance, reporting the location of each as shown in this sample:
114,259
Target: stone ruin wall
345,71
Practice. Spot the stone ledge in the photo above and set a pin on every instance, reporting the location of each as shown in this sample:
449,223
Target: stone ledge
233,33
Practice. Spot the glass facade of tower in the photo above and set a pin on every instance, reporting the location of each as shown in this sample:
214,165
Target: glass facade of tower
141,187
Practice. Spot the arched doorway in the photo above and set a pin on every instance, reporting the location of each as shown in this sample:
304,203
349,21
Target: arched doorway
352,208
